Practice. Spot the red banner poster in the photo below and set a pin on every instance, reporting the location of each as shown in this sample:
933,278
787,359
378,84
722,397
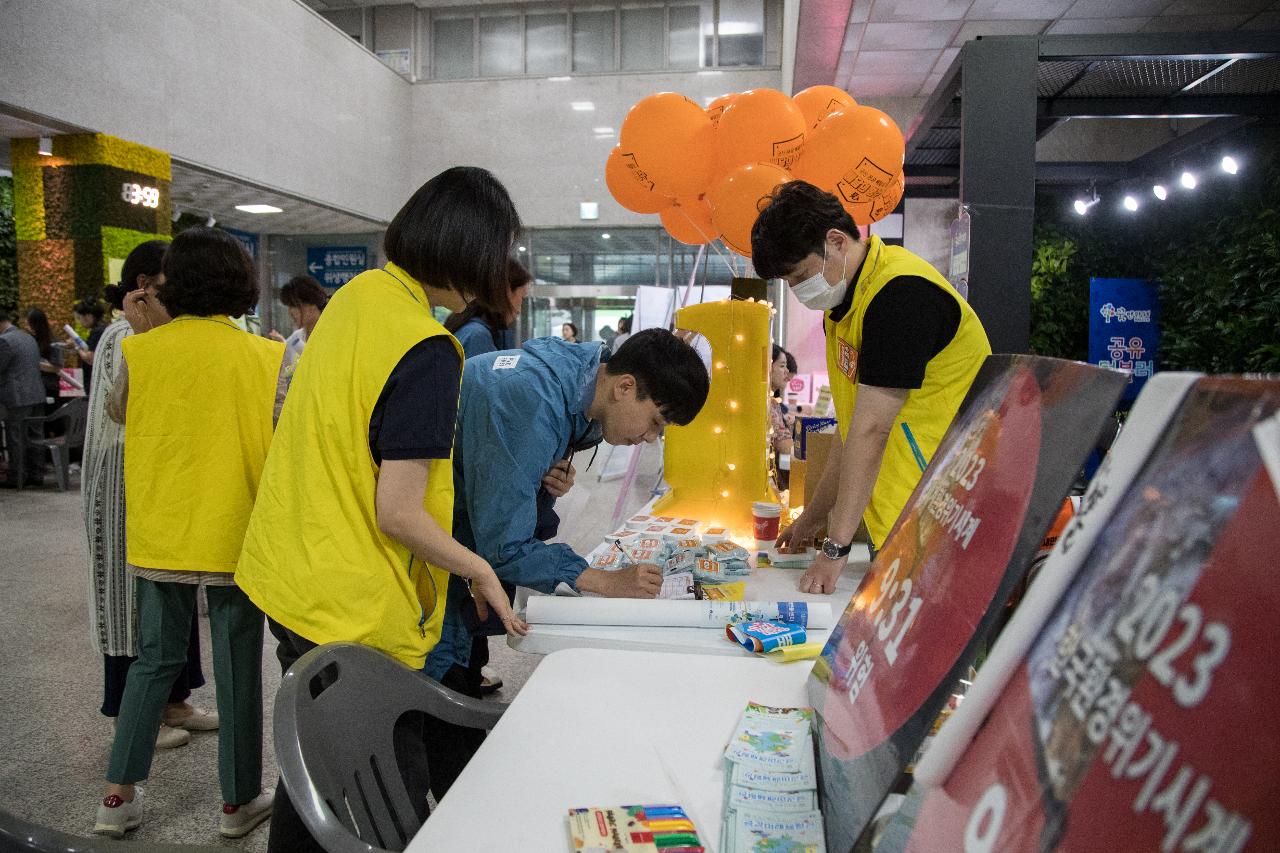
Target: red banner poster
1138,720
961,545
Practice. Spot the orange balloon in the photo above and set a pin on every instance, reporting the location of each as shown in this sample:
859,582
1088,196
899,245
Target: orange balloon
887,201
689,221
672,143
737,199
854,154
716,107
818,102
627,189
760,126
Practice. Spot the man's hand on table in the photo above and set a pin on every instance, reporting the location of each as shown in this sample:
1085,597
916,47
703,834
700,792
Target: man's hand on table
643,580
822,574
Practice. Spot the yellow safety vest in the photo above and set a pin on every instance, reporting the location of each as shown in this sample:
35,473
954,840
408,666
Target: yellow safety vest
197,429
314,558
929,409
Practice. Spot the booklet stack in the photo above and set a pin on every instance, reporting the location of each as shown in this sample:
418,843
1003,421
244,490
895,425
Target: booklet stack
770,797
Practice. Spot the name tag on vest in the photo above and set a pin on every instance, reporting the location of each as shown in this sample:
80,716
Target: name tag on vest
504,362
847,360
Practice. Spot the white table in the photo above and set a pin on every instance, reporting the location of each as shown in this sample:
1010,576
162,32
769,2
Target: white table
595,727
765,584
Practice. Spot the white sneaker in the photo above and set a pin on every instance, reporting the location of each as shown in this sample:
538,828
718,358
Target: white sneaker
199,720
167,737
239,821
116,817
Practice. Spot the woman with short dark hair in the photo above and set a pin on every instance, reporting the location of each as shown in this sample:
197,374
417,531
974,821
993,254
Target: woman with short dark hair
197,396
349,539
304,298
89,314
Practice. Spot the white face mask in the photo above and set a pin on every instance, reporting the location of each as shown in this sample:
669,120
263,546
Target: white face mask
815,293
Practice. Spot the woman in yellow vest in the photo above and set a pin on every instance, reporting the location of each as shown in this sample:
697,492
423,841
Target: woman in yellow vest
902,349
350,537
197,397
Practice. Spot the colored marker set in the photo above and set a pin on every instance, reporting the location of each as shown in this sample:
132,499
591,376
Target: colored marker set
633,829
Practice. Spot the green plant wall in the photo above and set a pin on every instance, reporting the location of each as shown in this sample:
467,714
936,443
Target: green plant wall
8,248
1215,254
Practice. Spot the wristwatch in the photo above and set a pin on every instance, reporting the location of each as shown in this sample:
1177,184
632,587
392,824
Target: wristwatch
833,551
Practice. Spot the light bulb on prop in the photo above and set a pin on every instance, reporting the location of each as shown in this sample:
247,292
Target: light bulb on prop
731,425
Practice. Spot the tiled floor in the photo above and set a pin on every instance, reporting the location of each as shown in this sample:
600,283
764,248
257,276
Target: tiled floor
53,742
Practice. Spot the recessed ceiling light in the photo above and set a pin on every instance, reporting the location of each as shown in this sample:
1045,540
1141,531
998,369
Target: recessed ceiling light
521,248
559,79
583,106
259,208
604,236
603,131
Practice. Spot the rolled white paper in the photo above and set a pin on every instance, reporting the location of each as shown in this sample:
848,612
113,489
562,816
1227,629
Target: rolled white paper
558,610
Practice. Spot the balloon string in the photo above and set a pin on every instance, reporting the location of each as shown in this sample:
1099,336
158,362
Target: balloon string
711,241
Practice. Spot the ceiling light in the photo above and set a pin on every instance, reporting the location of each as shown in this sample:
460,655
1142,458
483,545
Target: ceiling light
521,249
210,222
1130,203
1081,206
1230,166
559,79
604,236
1083,203
583,106
603,131
588,210
1188,180
259,208
1160,192
45,146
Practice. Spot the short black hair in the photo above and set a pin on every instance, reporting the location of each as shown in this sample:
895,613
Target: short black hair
90,306
207,272
666,369
456,232
793,226
145,259
792,367
517,277
624,325
303,290
572,328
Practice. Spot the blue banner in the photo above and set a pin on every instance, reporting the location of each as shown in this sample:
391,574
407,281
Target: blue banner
248,240
1124,328
334,266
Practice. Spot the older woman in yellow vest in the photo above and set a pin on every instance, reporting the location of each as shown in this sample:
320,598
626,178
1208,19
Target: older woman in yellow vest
197,396
902,349
350,537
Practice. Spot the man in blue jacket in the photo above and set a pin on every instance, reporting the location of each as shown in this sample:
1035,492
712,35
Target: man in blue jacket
520,412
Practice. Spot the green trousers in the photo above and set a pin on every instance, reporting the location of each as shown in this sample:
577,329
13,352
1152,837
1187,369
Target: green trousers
164,623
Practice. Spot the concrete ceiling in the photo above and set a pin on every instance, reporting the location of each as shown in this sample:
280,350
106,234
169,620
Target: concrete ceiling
901,48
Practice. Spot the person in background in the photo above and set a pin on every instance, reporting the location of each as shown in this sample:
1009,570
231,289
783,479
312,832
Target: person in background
113,616
50,359
350,537
89,314
779,421
304,298
21,397
480,330
569,332
902,349
197,397
624,332
519,412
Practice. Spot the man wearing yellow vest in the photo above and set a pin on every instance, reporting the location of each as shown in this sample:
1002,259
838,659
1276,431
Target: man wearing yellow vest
350,536
902,349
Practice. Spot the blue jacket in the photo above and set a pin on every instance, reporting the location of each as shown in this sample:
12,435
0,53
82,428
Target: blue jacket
518,413
477,337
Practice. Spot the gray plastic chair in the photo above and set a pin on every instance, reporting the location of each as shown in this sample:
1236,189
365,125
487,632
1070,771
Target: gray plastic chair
334,716
76,414
23,836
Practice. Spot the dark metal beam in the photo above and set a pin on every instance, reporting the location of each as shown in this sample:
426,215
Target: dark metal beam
942,96
1236,44
998,182
1178,105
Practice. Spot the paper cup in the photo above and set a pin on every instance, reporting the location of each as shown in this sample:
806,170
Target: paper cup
765,517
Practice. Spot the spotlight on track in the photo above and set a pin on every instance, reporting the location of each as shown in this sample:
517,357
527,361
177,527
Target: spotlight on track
1160,192
1229,165
1083,204
1188,180
1130,203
